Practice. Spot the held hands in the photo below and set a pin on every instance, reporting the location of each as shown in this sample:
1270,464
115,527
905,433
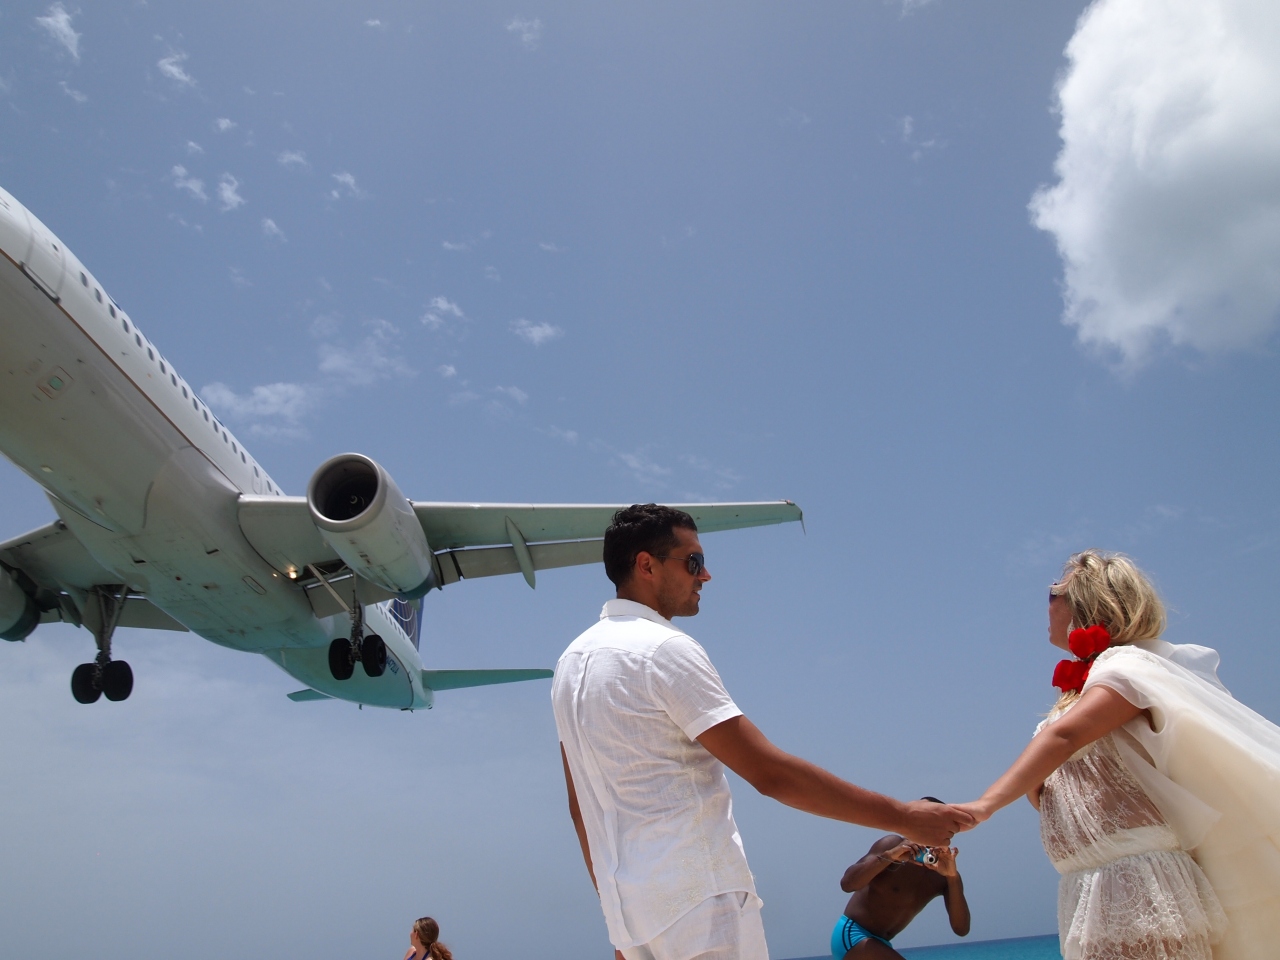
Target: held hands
934,824
977,809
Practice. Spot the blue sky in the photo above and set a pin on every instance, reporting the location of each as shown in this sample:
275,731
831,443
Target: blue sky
575,252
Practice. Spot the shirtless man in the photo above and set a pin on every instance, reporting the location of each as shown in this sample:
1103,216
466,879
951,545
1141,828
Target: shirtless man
890,886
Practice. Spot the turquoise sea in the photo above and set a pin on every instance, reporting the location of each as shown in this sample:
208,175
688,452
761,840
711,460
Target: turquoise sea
1019,948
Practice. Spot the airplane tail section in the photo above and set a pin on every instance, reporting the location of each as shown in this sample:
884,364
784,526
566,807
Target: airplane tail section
457,679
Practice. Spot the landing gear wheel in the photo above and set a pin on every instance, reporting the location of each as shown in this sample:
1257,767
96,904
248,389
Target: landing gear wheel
83,687
341,662
373,654
117,680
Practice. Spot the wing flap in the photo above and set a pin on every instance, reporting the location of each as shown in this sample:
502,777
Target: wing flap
458,565
451,526
457,679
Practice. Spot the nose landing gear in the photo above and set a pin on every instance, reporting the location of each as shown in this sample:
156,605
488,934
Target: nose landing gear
371,651
114,678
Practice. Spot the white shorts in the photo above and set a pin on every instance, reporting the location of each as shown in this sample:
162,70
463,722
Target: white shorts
724,927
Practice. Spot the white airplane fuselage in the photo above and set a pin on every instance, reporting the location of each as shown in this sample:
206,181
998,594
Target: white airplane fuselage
147,478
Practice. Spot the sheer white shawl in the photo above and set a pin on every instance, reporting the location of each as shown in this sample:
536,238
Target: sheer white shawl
1212,767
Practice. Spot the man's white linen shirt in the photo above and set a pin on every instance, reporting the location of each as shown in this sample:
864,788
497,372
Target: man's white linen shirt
631,696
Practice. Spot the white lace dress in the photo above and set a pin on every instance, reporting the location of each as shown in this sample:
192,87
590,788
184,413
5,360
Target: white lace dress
1128,891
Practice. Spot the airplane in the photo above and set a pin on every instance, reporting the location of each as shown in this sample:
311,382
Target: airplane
165,521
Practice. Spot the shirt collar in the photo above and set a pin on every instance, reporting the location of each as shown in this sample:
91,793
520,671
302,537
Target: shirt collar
629,608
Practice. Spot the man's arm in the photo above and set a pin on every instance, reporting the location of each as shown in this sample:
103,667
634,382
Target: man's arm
886,850
953,896
740,746
575,814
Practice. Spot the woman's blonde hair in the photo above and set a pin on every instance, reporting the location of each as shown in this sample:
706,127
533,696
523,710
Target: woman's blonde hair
1108,589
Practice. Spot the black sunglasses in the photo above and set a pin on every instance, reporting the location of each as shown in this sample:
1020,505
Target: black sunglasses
694,562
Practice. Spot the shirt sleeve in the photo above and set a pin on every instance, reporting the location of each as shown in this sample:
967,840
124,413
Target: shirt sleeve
687,687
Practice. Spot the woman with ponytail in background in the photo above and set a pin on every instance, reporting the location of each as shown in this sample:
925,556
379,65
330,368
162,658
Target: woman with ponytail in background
424,940
1158,792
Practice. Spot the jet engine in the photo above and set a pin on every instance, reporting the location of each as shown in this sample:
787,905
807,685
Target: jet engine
18,612
371,525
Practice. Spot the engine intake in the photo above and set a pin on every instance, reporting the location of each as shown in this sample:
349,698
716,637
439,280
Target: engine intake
370,524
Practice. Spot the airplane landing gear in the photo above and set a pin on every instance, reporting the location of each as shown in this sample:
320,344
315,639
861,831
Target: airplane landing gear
89,681
371,651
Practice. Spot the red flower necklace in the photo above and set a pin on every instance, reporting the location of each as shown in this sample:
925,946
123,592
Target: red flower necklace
1086,643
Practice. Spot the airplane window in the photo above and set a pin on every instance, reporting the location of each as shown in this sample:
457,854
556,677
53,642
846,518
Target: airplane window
125,324
242,459
184,393
225,438
255,471
194,403
97,293
137,338
173,378
233,448
162,369
206,414
151,354
84,281
111,309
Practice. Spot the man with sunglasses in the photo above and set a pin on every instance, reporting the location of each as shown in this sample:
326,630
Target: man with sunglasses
646,729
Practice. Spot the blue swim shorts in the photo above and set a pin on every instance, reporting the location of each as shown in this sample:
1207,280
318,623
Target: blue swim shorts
848,934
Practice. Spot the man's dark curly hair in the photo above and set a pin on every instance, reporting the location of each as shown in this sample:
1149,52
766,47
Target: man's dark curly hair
641,527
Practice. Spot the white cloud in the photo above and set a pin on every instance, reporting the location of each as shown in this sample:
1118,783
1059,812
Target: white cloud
491,273
438,312
447,370
644,468
287,401
194,149
192,185
223,124
550,247
239,279
536,333
1166,211
514,393
348,181
568,436
376,357
229,193
74,94
269,229
373,23
462,397
292,158
57,23
455,247
529,31
171,67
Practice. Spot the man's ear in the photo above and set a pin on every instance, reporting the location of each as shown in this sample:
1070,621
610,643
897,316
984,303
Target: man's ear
643,567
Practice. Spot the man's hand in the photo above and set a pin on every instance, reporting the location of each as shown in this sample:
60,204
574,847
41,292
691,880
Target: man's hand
934,824
946,864
906,850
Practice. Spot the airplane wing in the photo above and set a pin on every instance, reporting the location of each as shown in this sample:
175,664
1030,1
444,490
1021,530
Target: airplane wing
62,572
436,680
485,539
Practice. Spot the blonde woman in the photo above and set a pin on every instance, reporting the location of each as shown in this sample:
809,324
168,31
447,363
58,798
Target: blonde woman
1158,792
